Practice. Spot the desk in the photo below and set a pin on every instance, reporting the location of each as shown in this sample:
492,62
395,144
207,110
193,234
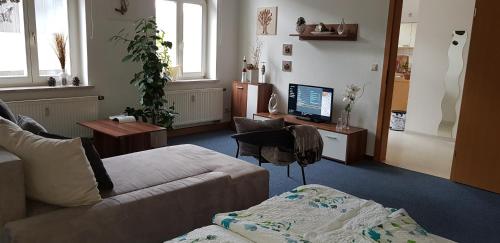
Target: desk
113,138
346,145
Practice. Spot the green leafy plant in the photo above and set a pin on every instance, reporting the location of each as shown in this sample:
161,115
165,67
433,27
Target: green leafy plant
149,48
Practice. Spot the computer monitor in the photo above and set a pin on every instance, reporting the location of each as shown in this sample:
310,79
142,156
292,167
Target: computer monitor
311,102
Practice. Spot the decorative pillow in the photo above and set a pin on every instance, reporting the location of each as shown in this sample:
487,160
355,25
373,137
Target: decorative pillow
29,124
248,125
56,171
6,113
104,182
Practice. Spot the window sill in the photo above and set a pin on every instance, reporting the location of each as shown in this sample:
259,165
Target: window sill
43,88
193,81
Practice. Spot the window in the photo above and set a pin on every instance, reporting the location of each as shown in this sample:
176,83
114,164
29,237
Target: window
27,30
184,23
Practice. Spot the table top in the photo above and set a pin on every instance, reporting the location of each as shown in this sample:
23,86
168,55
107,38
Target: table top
117,130
332,127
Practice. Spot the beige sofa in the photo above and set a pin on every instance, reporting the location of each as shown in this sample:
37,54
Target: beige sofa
158,194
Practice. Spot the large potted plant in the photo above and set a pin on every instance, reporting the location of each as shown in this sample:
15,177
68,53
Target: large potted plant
149,48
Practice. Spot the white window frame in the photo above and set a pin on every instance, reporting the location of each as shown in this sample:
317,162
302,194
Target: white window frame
180,39
33,77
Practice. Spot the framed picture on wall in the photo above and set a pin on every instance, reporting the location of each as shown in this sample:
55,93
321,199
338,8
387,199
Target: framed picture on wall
287,49
267,20
286,66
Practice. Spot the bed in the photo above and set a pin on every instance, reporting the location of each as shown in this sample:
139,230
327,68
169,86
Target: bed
313,213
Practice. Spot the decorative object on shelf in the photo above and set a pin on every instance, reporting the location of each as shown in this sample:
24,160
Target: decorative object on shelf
266,20
301,25
329,32
262,78
287,49
287,66
244,72
150,81
350,97
273,104
452,84
341,27
60,43
321,27
51,81
123,7
76,81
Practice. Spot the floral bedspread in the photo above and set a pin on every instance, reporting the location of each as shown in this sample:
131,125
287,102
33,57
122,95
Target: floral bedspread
315,213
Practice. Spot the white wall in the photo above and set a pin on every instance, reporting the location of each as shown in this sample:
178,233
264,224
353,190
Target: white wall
324,63
438,19
111,77
410,11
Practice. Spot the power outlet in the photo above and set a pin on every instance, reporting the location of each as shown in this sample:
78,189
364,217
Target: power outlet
374,67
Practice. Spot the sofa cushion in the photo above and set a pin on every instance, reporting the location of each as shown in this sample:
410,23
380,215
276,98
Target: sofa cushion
104,183
141,170
56,171
6,113
29,124
12,194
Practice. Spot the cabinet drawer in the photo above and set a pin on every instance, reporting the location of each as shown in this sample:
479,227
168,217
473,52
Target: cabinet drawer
335,145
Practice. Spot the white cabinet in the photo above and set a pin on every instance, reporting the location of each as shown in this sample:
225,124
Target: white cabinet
342,146
407,35
334,145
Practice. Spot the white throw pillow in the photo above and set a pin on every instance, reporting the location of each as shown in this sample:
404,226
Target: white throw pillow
56,171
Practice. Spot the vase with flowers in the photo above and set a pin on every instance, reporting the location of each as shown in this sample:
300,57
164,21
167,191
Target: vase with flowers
351,96
60,42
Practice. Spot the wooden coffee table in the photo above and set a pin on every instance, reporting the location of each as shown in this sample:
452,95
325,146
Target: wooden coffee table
113,138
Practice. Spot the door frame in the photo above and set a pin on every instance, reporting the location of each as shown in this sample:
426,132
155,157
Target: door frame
388,76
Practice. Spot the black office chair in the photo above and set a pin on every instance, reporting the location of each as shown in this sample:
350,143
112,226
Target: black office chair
280,138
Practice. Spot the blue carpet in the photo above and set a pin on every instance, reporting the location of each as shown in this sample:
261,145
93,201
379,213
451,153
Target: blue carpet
445,208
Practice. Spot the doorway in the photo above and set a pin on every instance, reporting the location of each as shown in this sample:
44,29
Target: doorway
426,81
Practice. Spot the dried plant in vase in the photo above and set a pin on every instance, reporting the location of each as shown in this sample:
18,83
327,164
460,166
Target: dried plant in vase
256,52
60,43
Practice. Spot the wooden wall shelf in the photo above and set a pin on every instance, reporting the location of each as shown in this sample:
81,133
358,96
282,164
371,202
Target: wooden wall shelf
350,33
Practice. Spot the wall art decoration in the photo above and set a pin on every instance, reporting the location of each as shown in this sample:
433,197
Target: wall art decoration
123,9
267,20
287,49
286,66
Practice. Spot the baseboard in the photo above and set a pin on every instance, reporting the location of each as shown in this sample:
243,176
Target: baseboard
198,129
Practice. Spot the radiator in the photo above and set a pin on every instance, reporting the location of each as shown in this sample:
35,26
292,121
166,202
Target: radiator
60,115
197,106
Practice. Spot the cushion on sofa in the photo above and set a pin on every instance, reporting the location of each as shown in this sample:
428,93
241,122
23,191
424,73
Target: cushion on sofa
248,125
29,124
56,171
6,113
104,183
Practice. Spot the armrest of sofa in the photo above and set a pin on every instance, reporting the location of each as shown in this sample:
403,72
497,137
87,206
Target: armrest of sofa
12,194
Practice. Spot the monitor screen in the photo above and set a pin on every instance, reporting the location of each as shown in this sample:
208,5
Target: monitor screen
310,101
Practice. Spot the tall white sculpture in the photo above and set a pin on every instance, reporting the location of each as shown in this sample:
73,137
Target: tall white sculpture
452,83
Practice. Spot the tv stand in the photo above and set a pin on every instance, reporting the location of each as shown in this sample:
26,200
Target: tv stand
303,118
344,145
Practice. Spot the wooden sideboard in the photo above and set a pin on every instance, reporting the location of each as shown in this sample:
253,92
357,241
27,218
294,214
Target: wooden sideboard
346,145
248,99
